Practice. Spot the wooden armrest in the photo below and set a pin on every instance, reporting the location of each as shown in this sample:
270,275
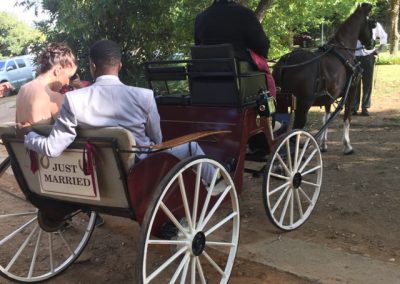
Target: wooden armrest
186,138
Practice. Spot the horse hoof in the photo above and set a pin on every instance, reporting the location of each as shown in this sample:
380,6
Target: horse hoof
348,152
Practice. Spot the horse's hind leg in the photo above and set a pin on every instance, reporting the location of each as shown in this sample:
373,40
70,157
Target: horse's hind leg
324,137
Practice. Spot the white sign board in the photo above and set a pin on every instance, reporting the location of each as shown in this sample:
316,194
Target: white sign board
64,176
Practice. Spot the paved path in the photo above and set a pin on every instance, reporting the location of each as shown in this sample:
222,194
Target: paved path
319,263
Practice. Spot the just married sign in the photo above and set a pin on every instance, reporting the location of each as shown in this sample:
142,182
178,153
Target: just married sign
64,176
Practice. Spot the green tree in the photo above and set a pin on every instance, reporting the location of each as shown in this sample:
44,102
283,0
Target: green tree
15,36
158,29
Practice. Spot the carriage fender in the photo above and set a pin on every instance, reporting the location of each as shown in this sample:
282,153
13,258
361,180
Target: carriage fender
144,178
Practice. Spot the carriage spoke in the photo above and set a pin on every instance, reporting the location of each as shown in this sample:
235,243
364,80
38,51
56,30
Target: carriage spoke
278,188
173,219
35,252
303,151
196,195
17,214
18,253
289,155
165,265
291,207
60,234
283,164
51,252
220,244
185,201
296,152
311,170
296,194
220,224
193,270
279,200
185,270
214,264
13,234
216,205
310,183
308,160
279,176
168,242
305,195
283,213
180,267
207,201
200,269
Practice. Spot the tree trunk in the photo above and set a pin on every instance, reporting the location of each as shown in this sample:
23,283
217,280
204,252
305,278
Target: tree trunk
394,32
263,6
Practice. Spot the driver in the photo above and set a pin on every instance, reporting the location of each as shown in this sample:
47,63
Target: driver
228,22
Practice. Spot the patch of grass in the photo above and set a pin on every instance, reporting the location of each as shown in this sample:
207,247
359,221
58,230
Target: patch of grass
386,80
387,59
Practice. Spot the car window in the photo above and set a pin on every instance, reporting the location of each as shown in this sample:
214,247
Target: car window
21,63
11,65
2,64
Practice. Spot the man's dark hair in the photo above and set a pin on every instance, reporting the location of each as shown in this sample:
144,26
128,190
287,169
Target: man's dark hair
105,53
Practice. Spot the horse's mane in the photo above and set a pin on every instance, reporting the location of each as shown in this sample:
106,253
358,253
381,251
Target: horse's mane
355,19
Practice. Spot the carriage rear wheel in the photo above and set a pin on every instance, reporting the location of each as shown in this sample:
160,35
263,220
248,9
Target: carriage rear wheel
190,233
292,183
33,247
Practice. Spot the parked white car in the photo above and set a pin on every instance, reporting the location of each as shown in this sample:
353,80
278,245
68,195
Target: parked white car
17,70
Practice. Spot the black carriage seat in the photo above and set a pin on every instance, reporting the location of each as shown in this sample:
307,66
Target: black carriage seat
216,78
112,165
173,89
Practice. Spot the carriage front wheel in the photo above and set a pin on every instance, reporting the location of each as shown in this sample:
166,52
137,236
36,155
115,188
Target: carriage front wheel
34,247
293,180
190,232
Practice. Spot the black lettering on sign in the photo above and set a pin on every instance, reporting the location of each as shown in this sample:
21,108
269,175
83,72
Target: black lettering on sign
67,180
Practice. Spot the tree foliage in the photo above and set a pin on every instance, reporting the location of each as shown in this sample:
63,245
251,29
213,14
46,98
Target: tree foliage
15,36
160,29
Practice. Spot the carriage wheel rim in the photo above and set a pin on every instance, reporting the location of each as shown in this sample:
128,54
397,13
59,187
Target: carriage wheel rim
37,252
291,189
195,232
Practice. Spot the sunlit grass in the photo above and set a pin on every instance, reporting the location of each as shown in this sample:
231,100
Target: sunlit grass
386,80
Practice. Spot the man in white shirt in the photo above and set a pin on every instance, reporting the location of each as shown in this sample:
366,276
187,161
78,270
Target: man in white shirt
367,60
108,102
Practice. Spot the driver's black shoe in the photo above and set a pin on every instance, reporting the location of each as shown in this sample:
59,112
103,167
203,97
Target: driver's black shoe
365,112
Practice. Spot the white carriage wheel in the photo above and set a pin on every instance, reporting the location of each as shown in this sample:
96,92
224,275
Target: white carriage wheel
292,183
34,249
203,244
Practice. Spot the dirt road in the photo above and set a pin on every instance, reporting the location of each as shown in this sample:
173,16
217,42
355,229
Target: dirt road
357,212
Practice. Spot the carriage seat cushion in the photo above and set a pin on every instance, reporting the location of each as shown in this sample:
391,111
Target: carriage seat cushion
125,138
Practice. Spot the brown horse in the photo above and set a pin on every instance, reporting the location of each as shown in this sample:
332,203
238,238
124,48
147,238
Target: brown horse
320,78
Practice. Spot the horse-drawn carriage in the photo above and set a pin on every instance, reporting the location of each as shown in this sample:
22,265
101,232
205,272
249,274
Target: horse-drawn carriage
189,229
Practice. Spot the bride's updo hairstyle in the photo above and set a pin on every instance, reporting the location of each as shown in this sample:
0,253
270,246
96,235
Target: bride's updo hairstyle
55,53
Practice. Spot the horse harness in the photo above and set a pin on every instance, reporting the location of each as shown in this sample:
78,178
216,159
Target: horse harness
353,68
